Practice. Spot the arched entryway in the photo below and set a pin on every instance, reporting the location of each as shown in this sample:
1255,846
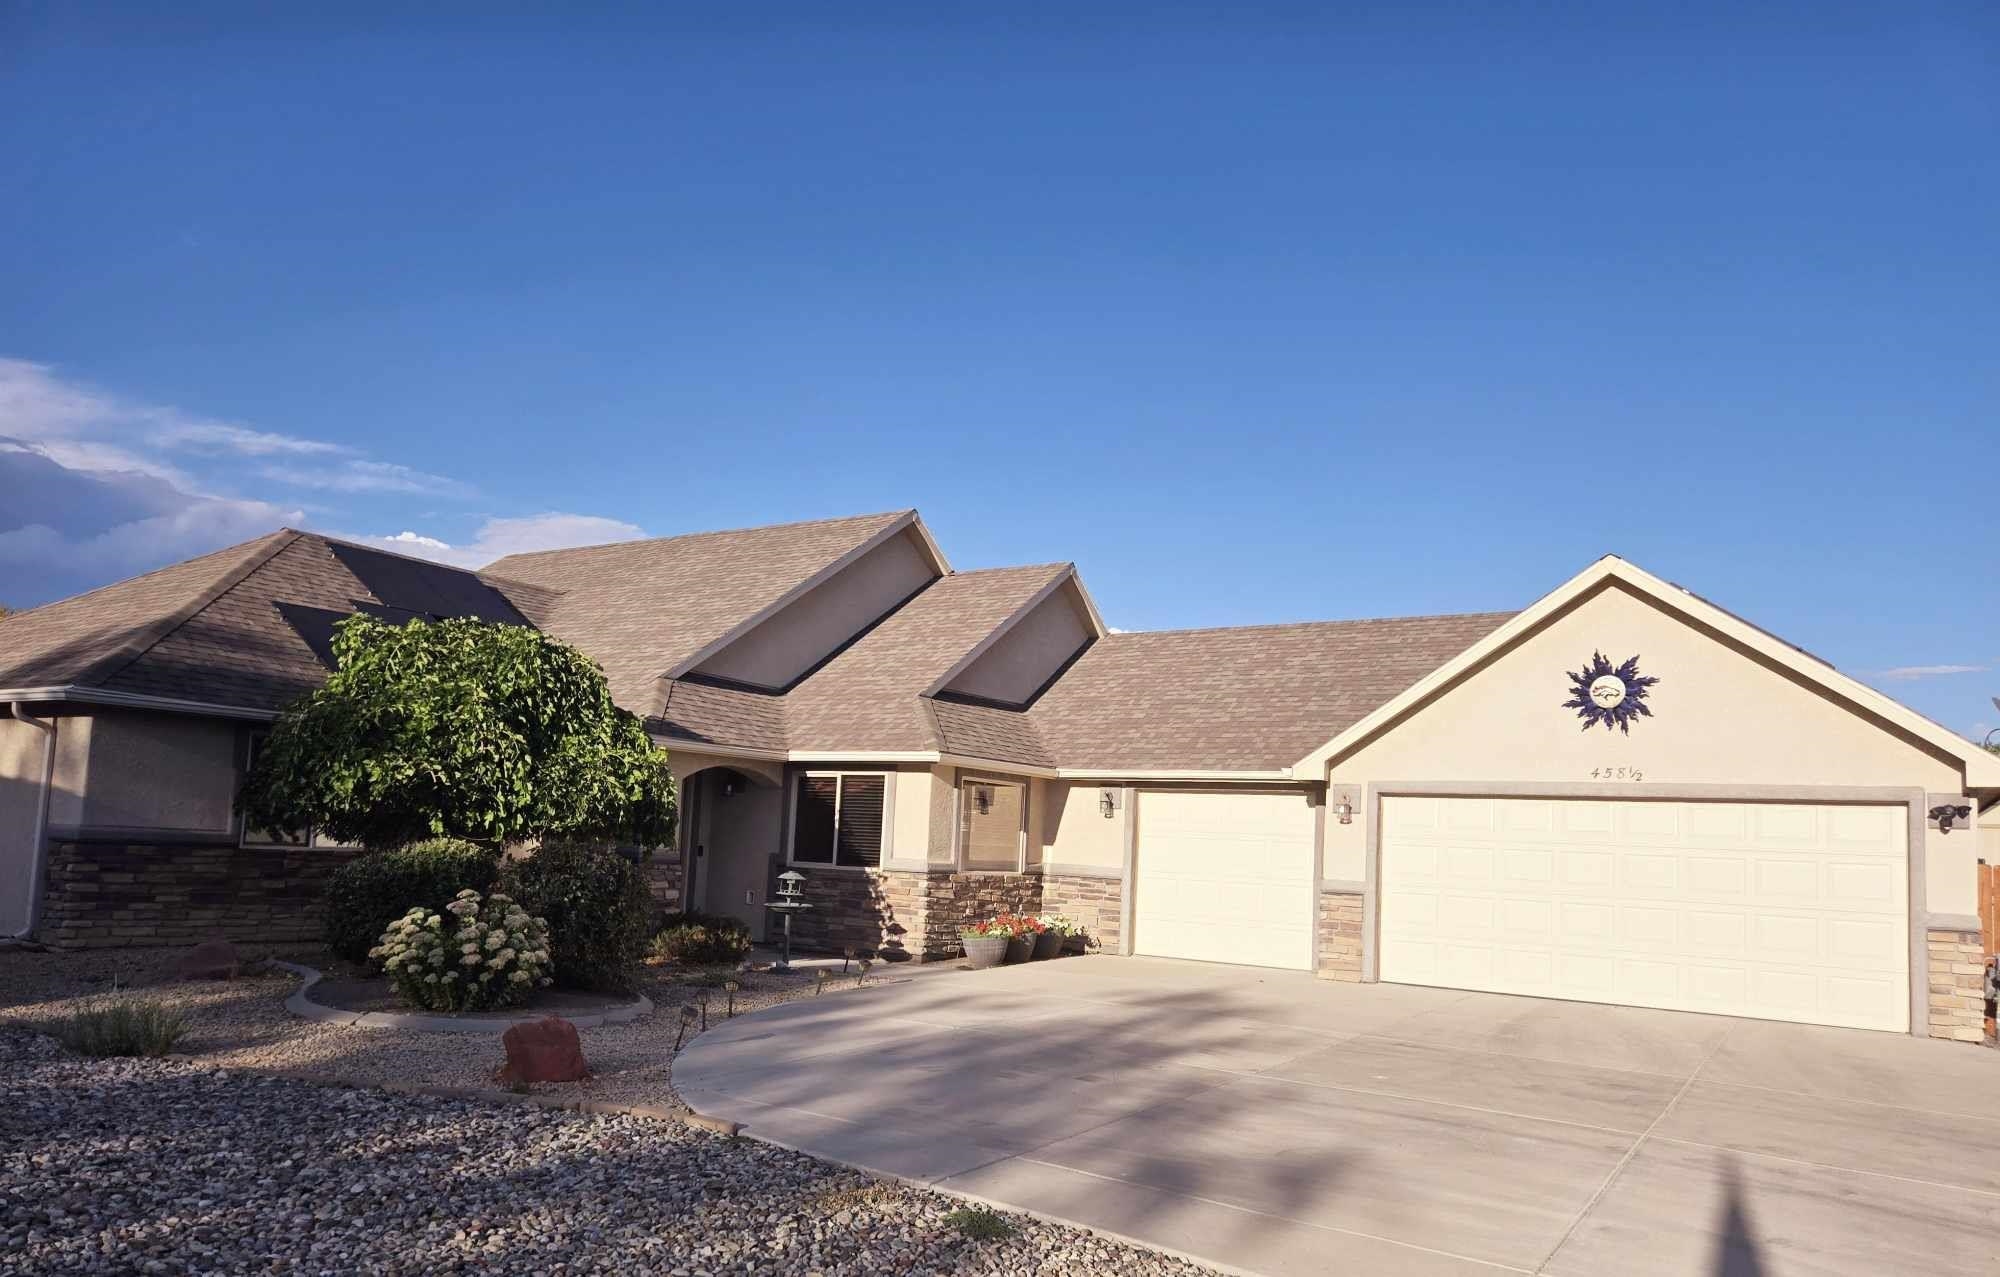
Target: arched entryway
731,830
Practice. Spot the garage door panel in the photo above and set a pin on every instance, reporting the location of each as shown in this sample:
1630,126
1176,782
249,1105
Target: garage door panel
1228,877
1788,911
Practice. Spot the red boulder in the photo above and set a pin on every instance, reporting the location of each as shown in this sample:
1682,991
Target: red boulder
544,1050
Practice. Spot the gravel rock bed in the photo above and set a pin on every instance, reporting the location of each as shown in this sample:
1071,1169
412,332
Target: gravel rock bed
171,1166
243,1024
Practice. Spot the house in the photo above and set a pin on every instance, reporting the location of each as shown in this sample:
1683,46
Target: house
1621,793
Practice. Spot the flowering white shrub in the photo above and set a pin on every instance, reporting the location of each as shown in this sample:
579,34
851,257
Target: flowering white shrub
486,953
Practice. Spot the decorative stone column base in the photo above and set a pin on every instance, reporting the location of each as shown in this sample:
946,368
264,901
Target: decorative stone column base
1339,936
1957,985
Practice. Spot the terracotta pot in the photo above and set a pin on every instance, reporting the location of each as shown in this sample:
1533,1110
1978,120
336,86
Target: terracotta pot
1047,945
984,951
1020,948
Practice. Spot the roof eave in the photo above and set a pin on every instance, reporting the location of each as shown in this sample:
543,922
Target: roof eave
133,700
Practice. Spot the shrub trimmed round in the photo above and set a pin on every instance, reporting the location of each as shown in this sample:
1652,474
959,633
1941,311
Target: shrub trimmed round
598,909
375,888
698,939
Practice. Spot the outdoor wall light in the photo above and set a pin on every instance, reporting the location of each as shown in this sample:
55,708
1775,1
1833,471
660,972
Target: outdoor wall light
1344,810
1107,803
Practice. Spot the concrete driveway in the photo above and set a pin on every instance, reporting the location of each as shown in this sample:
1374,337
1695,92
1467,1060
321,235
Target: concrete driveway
1270,1122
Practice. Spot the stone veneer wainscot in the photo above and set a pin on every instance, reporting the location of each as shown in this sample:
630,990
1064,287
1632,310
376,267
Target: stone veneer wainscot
110,895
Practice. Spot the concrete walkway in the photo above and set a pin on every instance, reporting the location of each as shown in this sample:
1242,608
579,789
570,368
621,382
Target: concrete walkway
1273,1123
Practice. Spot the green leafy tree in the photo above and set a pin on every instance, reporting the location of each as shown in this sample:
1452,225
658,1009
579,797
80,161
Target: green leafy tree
460,728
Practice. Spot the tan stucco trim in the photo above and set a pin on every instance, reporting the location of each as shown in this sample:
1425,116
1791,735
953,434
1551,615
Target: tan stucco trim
1342,887
895,527
1967,922
1128,800
1912,799
1168,773
1981,769
1059,870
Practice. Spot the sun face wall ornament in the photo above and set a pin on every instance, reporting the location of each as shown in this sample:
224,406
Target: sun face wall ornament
1614,697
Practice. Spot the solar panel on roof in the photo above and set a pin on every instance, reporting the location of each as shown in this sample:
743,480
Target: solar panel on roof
429,589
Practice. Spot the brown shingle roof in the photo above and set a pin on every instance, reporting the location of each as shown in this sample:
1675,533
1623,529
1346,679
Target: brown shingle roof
640,608
80,639
246,627
1252,698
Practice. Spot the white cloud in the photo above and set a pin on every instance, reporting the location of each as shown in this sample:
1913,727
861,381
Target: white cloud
216,436
95,487
498,538
367,476
1909,673
37,404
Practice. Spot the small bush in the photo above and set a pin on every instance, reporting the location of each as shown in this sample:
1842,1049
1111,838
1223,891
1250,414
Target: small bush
598,909
702,940
980,1224
124,1027
475,956
374,889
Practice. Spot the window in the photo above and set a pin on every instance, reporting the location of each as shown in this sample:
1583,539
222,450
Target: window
265,837
992,824
837,820
312,836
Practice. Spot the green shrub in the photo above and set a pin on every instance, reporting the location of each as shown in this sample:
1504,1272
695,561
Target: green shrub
374,889
123,1027
980,1224
702,940
598,909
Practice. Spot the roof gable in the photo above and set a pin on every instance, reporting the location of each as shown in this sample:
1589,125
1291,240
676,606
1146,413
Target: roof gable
1981,768
642,609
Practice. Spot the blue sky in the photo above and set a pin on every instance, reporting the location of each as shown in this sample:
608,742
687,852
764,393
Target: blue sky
1258,312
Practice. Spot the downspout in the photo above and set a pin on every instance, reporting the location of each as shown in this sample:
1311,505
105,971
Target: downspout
39,845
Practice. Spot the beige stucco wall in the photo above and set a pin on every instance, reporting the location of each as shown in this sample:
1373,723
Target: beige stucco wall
162,772
910,830
943,815
1073,831
812,626
72,771
1720,717
1027,655
22,754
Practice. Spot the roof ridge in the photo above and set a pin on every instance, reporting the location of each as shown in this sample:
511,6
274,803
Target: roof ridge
708,532
1312,625
128,653
373,548
1054,564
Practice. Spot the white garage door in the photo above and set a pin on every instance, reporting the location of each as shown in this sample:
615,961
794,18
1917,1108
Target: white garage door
1783,911
1225,878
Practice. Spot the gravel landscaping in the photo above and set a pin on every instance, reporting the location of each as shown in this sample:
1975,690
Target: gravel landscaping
210,1164
243,1024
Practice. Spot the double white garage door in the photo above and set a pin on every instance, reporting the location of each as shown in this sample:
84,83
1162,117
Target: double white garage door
1788,911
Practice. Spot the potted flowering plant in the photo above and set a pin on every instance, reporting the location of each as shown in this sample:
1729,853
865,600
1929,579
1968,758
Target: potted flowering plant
1056,931
985,942
480,953
1024,932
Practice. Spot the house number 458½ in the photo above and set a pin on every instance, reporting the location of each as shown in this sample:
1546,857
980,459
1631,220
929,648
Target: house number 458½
1616,773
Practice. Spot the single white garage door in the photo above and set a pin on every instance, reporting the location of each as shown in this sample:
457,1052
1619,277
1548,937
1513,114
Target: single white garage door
1225,878
1783,911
